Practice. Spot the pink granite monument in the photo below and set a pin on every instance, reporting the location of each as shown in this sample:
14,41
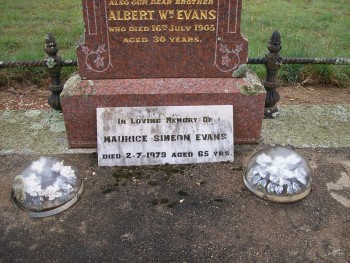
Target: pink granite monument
161,53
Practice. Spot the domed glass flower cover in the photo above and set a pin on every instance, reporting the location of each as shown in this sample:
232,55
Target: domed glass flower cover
47,186
278,174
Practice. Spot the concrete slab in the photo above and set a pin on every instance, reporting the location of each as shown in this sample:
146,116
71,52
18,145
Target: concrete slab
309,126
189,213
43,131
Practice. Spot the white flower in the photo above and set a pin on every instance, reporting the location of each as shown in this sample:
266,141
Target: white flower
283,182
52,191
274,174
69,188
57,167
32,184
38,166
263,159
272,169
287,174
67,172
255,171
300,175
259,171
293,159
280,162
273,178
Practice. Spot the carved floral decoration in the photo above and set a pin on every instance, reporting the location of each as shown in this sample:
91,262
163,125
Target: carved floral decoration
230,56
95,56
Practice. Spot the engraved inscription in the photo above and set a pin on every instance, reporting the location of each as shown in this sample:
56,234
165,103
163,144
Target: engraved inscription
150,32
158,135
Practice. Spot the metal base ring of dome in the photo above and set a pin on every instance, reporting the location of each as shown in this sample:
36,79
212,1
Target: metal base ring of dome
275,198
51,212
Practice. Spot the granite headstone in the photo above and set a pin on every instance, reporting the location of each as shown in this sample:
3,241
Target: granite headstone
145,53
161,39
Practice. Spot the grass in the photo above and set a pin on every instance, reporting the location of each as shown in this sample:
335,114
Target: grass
309,28
24,25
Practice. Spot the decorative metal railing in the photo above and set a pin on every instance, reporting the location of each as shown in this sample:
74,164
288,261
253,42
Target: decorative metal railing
272,62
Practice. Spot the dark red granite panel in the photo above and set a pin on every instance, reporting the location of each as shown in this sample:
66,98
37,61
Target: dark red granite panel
79,103
161,39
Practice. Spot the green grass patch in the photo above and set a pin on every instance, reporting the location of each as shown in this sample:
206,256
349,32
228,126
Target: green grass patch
309,28
24,25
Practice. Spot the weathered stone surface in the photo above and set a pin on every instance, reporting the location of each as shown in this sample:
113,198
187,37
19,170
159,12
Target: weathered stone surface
128,136
161,39
140,53
80,98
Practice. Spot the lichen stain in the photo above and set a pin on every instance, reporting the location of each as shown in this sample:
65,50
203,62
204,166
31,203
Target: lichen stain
309,126
342,61
253,86
75,86
240,72
36,127
33,131
70,86
32,113
50,62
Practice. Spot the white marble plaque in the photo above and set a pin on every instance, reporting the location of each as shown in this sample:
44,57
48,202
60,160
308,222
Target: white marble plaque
158,135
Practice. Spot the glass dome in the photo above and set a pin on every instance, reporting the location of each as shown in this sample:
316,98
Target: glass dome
278,174
47,186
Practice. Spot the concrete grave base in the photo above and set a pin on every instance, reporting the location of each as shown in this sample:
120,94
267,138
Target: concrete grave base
80,98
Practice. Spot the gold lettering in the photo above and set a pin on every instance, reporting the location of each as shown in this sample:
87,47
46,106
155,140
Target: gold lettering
135,40
112,16
139,2
196,14
138,28
204,14
161,2
116,29
194,2
164,14
179,14
125,15
184,39
212,14
134,15
118,2
150,13
143,15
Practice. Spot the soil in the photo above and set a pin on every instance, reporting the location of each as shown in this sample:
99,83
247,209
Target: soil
24,96
314,95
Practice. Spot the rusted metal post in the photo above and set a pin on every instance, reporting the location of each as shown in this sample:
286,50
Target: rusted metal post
53,63
272,65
